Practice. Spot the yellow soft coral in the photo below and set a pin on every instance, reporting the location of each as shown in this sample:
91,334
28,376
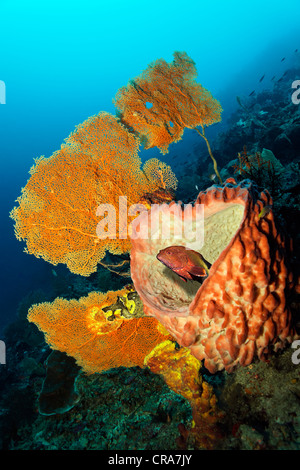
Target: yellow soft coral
180,370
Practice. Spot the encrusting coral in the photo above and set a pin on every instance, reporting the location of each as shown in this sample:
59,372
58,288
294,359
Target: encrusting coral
181,372
57,211
240,311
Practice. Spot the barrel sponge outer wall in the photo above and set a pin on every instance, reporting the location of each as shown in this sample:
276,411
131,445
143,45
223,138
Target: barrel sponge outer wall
240,311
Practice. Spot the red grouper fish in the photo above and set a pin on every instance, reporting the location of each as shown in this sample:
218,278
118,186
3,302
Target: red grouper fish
188,264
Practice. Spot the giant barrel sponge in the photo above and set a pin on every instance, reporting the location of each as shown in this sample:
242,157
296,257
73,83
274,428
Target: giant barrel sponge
240,310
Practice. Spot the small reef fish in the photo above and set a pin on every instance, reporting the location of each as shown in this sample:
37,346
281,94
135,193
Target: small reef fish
241,104
264,211
261,79
188,264
282,59
273,78
212,177
252,93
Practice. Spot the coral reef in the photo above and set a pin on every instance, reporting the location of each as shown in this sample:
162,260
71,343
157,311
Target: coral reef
262,168
238,314
269,119
121,409
261,406
240,310
133,408
59,393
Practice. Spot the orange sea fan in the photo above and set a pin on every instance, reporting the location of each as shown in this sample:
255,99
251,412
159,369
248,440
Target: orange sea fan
56,213
165,99
83,330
